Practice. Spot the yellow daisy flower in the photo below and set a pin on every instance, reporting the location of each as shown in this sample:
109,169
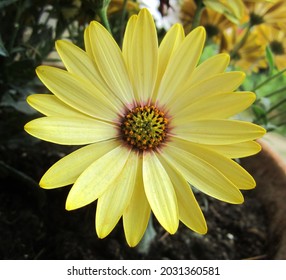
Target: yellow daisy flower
214,23
251,55
276,39
152,122
267,12
233,10
116,6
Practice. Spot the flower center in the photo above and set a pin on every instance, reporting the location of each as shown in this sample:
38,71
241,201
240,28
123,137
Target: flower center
144,128
255,19
277,47
211,30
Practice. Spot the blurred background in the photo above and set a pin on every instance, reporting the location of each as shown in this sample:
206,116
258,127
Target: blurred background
33,222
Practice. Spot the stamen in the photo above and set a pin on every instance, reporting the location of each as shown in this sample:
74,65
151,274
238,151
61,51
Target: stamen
144,127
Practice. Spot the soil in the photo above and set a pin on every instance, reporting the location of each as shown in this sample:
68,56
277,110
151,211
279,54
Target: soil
35,225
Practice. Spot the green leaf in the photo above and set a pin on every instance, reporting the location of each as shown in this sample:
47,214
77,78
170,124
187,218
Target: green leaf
270,59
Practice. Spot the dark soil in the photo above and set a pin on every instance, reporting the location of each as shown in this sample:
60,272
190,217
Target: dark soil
35,225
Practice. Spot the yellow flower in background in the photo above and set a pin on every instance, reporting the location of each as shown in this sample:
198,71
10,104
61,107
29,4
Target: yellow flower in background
116,6
152,121
214,23
276,39
233,10
251,55
187,13
267,12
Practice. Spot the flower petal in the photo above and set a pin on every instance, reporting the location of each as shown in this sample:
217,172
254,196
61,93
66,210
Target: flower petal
97,178
50,105
220,83
179,68
169,44
109,60
77,93
79,63
229,168
87,43
202,175
210,67
218,132
220,106
237,150
143,56
160,192
71,130
113,202
127,44
65,171
137,214
190,212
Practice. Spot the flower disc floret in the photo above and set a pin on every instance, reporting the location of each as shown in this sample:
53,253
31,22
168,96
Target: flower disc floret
144,127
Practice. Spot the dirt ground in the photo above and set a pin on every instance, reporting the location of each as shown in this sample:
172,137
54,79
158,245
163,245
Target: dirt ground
35,225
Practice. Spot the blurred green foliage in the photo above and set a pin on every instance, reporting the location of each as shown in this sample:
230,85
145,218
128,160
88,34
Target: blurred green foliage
27,36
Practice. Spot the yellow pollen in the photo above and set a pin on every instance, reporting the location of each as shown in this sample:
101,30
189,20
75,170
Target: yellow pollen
144,127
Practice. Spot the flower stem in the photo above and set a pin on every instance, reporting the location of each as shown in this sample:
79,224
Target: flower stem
198,13
269,79
281,90
103,16
240,44
123,15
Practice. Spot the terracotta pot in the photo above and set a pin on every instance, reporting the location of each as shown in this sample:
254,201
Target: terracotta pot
269,171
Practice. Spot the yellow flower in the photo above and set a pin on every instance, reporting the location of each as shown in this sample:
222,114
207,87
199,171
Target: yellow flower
276,39
187,12
214,23
251,55
233,10
116,6
267,12
152,120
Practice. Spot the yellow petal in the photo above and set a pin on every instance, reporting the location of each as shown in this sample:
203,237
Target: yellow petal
220,83
220,106
169,44
202,175
160,192
218,132
190,212
71,130
65,171
110,62
87,43
210,67
113,202
50,105
229,168
179,68
97,178
137,214
143,56
79,63
127,44
77,93
237,150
